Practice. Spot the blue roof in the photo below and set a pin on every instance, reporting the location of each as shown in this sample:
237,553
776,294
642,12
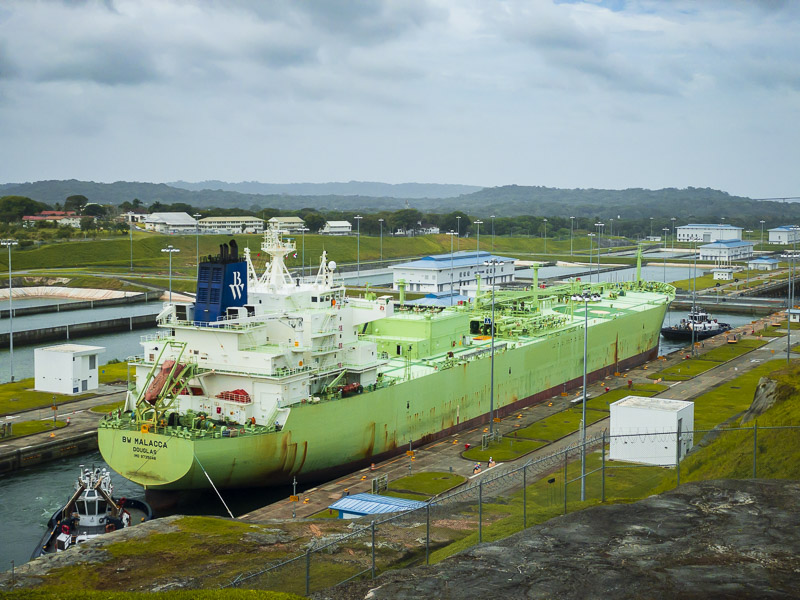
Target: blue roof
766,259
784,228
371,504
711,225
440,299
459,259
727,244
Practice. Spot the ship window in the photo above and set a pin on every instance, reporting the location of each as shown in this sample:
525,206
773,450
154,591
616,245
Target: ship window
216,276
101,507
214,295
313,298
91,508
80,506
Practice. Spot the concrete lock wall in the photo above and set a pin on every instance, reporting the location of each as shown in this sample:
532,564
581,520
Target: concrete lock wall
78,330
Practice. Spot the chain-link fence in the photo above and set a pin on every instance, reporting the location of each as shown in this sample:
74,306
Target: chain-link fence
502,501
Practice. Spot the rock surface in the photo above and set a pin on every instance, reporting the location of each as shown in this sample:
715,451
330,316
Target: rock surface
764,398
713,539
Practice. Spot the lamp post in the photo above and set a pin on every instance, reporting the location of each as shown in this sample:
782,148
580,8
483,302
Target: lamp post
571,227
666,232
694,291
170,250
358,249
545,236
451,233
492,218
303,230
478,251
762,232
611,227
380,222
130,233
8,244
197,236
583,403
673,219
591,234
600,227
493,262
458,233
651,227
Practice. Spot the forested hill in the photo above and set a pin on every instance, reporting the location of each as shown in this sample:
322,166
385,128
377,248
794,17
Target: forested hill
372,189
690,204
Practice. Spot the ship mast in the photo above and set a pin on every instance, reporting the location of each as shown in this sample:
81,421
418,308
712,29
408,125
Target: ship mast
276,276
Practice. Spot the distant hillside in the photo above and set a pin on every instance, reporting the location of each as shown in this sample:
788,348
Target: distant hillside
690,204
351,188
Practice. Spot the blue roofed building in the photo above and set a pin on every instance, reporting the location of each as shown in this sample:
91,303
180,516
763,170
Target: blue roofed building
727,251
785,234
436,273
361,505
704,232
763,263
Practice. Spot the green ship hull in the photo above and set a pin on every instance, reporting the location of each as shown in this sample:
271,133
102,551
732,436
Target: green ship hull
441,386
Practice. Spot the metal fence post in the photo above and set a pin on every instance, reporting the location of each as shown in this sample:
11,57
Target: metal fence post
603,468
678,457
566,451
427,533
524,498
480,511
308,571
373,549
755,446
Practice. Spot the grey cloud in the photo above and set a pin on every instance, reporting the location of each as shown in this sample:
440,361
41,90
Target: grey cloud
104,64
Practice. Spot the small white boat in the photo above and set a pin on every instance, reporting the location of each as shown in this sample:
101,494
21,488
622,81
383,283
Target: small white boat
90,511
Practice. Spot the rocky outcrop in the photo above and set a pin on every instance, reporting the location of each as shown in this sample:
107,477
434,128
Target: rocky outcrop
713,539
765,396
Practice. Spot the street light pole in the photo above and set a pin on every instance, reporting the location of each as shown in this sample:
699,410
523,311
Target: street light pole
303,255
478,251
458,234
545,236
651,227
694,292
583,403
8,244
451,233
666,232
170,250
591,249
130,233
197,249
493,262
380,221
599,232
762,232
673,219
571,227
358,249
492,217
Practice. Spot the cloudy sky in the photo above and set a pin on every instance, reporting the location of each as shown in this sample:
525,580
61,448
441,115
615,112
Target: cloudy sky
605,94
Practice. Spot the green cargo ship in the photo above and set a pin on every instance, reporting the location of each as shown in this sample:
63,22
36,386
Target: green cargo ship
264,378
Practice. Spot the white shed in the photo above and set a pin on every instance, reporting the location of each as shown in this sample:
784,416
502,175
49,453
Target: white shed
722,274
66,369
647,430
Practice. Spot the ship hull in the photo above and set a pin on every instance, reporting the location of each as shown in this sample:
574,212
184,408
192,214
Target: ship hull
683,334
320,440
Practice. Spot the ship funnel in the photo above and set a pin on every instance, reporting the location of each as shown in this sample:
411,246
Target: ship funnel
401,285
234,257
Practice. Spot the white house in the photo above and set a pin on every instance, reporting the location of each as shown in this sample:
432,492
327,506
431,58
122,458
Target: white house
66,369
722,274
231,225
337,228
173,222
724,252
432,274
785,234
695,232
287,223
794,315
763,263
655,431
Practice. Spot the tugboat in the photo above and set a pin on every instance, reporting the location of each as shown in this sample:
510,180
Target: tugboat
91,511
699,322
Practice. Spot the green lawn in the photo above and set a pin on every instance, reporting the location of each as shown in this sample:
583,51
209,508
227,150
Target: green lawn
731,351
684,370
559,425
107,408
24,428
20,395
425,484
508,448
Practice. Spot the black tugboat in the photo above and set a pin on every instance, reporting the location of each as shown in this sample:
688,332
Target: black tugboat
91,511
699,322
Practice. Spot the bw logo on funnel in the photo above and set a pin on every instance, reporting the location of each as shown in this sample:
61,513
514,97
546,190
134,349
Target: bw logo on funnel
237,285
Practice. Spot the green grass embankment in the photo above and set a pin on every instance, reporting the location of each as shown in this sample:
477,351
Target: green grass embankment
23,428
692,367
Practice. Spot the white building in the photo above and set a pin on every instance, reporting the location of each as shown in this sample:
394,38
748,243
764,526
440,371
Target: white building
290,224
174,222
231,225
337,228
66,369
724,252
785,234
722,274
763,263
794,315
431,274
695,232
655,431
